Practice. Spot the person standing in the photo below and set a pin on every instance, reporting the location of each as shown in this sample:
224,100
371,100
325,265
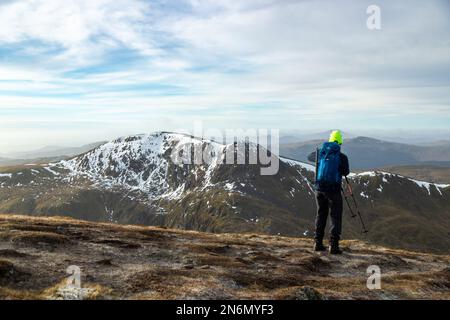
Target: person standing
331,165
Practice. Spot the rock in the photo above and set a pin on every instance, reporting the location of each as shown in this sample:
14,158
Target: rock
10,273
6,268
90,278
104,262
308,293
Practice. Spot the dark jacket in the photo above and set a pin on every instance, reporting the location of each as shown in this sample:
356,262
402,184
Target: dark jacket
344,168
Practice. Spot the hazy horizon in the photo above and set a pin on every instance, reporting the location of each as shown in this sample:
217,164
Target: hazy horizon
399,136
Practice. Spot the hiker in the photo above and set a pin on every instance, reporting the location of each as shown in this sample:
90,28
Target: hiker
331,165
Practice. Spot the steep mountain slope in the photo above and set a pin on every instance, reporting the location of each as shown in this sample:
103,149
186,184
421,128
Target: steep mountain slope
134,180
367,153
133,262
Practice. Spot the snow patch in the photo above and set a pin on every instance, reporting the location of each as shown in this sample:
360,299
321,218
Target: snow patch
303,165
229,186
422,184
364,195
428,185
51,171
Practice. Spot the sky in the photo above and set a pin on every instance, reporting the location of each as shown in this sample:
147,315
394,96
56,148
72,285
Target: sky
78,71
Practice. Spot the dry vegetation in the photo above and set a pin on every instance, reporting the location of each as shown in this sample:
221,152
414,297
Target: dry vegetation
133,262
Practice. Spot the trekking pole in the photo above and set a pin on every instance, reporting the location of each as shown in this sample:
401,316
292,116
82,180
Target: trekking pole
356,206
316,165
348,204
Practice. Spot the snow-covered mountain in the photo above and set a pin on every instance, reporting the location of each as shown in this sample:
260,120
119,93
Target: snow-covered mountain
154,164
143,163
134,180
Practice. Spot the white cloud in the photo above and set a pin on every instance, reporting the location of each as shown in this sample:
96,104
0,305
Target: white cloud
212,60
83,29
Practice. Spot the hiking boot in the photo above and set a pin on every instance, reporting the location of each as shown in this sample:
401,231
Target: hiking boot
334,247
318,246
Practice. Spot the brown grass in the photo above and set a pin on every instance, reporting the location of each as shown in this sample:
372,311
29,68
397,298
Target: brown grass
151,263
222,261
34,237
11,253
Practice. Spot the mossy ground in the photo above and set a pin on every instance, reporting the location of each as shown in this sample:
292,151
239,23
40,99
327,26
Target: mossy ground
136,262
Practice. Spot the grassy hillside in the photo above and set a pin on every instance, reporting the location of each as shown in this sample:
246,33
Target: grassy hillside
136,262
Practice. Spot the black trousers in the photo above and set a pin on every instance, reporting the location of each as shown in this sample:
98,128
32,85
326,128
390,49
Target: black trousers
329,203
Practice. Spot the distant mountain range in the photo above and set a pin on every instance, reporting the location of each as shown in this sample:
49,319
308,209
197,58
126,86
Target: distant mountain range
132,180
369,153
304,137
45,154
415,137
54,151
365,153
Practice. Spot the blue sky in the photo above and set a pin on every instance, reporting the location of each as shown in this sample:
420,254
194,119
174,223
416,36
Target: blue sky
78,71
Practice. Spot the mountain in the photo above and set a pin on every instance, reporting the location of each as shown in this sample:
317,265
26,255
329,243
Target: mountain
133,180
367,153
299,137
436,174
136,262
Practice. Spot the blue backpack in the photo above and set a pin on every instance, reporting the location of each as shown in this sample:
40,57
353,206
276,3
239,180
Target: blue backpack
328,176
